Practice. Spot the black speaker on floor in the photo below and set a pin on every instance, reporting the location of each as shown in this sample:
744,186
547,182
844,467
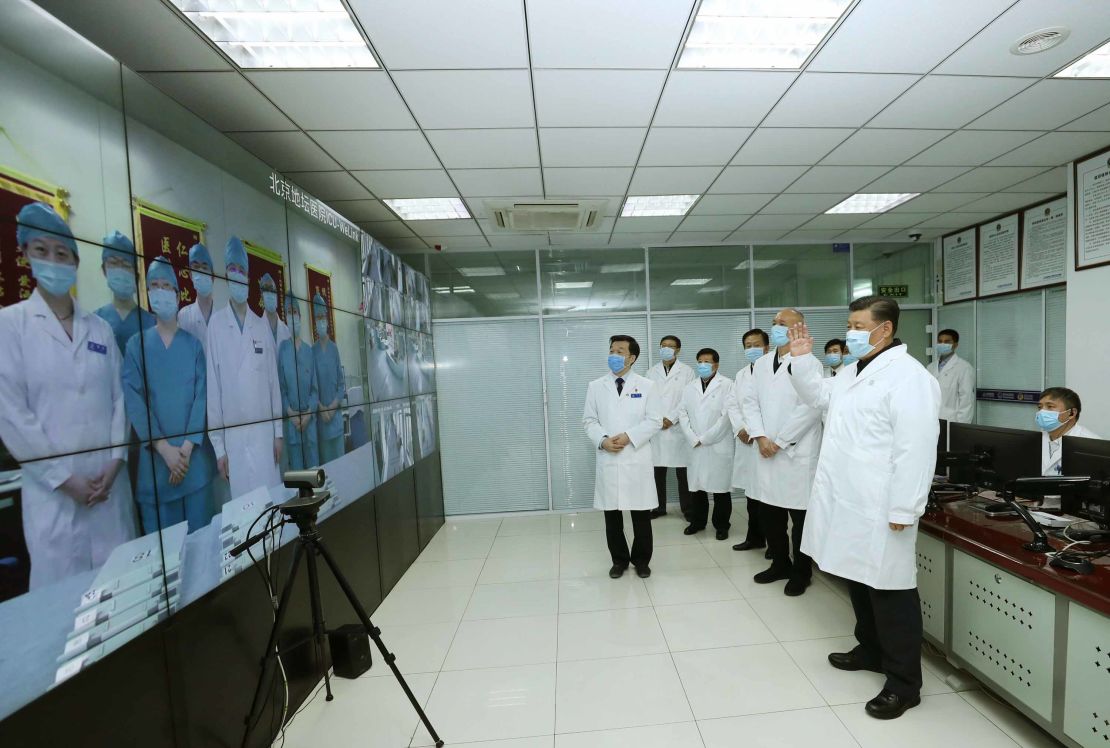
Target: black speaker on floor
350,650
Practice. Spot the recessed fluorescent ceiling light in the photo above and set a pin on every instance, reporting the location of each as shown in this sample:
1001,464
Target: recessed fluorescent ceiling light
632,267
569,285
759,264
713,289
281,33
463,289
758,33
657,205
481,272
877,202
1094,65
690,281
428,208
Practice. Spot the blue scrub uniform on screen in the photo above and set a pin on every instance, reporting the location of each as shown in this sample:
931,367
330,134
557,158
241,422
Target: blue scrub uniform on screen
167,399
124,328
299,391
329,377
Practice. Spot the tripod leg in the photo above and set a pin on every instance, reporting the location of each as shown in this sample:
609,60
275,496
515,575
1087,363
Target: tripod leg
376,634
318,628
263,678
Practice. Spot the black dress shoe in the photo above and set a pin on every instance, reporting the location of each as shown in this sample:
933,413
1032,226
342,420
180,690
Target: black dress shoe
797,585
657,513
617,571
849,661
773,574
747,545
691,530
643,572
722,534
889,705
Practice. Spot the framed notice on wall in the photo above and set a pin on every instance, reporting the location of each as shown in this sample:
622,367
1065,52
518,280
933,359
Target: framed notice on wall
998,256
960,276
1044,243
1092,210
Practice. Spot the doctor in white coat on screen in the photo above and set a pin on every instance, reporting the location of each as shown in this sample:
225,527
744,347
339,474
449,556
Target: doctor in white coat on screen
669,448
877,461
703,416
621,417
244,396
956,377
756,344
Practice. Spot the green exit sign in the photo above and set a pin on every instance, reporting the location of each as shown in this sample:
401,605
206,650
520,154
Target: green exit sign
895,292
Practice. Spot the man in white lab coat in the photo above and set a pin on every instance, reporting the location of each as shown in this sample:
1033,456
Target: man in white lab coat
669,448
756,344
1058,416
877,461
703,416
621,415
956,377
788,434
244,396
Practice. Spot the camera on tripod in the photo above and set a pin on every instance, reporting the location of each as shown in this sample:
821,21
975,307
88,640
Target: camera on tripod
308,499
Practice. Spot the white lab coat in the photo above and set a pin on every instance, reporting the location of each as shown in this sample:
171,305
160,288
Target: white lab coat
745,455
957,389
244,399
704,418
61,406
191,319
668,447
772,408
877,460
1052,451
626,479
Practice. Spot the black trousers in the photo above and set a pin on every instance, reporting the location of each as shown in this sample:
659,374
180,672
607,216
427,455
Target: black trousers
888,629
618,545
773,521
755,529
722,509
661,488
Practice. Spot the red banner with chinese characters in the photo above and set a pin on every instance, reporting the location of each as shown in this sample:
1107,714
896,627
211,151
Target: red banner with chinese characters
262,261
17,190
319,282
161,233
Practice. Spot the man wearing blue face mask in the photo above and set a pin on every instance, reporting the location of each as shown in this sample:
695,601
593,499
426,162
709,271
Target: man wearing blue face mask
278,328
329,378
118,263
193,317
756,344
668,448
835,351
1058,416
956,377
708,431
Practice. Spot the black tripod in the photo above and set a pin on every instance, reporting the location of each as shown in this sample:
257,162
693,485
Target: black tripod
303,511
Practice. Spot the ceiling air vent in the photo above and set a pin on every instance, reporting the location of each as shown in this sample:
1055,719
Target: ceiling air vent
536,216
1040,40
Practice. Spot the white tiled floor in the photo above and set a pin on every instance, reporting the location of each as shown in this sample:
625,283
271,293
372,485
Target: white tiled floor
511,634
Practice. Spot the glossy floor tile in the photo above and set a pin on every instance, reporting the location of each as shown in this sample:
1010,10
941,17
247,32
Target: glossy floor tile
594,593
937,722
677,735
512,599
803,728
623,692
503,642
609,633
709,625
691,586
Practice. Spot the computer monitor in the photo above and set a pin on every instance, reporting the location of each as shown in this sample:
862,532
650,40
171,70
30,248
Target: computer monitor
1003,454
1089,457
942,439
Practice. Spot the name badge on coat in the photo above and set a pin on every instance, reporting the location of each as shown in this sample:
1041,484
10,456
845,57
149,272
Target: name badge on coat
257,347
636,394
98,348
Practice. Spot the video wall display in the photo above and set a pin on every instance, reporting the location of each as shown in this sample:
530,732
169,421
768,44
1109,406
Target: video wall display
178,330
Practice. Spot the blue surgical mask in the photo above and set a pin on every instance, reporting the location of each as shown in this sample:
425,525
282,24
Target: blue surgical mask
237,287
616,363
321,328
56,279
1048,420
164,303
943,349
849,359
780,335
202,283
859,342
833,359
269,301
753,354
666,354
705,370
295,325
121,281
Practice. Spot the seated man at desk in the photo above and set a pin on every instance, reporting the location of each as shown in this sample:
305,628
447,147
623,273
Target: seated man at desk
1057,416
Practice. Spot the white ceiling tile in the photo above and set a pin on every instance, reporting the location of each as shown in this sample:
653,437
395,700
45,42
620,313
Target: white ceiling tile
741,179
363,210
1046,105
490,149
864,235
914,178
895,220
380,149
224,100
802,146
414,244
990,178
728,205
329,185
692,146
517,241
612,34
445,34
836,99
1053,180
803,203
879,36
336,99
572,182
639,239
1003,202
838,179
711,223
497,182
443,99
791,221
672,180
1054,149
837,221
452,227
408,183
720,98
953,221
1096,121
447,243
988,53
691,237
937,202
647,223
882,147
972,147
756,235
596,98
579,241
812,235
591,146
947,101
386,229
286,151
